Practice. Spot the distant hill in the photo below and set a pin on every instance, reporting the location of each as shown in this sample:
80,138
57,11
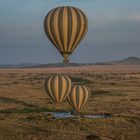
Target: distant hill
27,64
20,65
34,65
127,61
60,65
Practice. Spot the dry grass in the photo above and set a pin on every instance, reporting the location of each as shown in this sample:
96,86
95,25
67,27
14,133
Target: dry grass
115,90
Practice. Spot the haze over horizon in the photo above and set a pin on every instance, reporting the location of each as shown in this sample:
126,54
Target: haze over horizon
113,34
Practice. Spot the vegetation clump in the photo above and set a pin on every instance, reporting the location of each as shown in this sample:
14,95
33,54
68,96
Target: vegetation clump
80,80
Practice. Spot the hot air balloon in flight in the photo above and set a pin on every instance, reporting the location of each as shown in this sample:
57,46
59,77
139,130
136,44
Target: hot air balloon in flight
78,96
65,27
58,87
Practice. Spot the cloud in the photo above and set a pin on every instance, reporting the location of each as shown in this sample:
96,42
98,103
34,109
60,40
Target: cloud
134,17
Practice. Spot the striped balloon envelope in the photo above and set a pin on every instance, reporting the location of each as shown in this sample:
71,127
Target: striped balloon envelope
78,96
65,27
58,87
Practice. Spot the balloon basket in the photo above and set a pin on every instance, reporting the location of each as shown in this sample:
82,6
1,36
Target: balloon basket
58,106
65,61
75,113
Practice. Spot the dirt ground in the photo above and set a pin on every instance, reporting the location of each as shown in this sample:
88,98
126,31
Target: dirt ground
115,90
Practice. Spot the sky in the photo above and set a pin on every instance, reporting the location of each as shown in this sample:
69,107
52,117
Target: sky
113,34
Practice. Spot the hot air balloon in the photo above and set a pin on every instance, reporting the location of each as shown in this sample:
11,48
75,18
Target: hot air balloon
65,27
58,87
78,96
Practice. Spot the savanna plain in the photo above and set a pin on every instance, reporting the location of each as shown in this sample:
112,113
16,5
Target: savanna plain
115,91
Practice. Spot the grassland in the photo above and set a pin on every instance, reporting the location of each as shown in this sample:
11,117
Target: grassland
115,90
